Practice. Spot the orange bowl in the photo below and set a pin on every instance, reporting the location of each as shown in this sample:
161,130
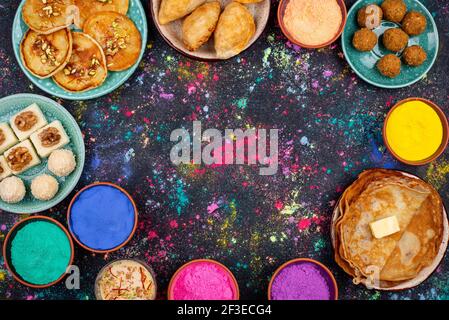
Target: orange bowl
281,12
300,260
6,246
69,211
444,141
175,276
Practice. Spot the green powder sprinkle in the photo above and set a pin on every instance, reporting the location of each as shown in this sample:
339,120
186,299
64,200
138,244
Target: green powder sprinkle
40,252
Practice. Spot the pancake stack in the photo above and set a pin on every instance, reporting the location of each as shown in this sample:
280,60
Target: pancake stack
402,257
78,61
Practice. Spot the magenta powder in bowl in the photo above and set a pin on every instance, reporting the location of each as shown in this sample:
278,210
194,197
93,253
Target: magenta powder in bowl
203,280
303,280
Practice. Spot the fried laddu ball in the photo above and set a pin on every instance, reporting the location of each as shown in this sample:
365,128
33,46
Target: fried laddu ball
370,16
364,40
389,66
414,56
394,10
414,23
395,39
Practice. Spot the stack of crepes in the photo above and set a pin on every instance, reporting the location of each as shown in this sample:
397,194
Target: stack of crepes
399,257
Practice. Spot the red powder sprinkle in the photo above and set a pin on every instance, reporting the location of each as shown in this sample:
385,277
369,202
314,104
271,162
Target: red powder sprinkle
279,205
203,280
173,224
152,235
304,224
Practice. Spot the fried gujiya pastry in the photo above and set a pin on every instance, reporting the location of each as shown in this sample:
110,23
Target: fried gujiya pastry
45,55
48,16
199,26
234,30
172,10
118,36
86,68
87,8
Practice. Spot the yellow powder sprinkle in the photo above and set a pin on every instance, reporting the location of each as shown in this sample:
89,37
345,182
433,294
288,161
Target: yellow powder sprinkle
414,131
312,22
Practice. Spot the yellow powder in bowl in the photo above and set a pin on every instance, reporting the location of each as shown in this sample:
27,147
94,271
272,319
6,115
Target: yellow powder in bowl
414,131
312,22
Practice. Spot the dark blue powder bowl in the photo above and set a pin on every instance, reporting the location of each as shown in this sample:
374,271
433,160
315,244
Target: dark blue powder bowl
102,217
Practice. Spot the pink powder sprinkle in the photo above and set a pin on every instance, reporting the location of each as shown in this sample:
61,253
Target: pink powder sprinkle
203,280
304,224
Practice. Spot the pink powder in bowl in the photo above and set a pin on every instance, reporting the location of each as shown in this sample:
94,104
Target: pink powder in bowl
203,280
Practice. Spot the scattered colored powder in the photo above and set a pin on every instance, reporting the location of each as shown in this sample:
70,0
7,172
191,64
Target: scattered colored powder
40,252
204,280
414,131
302,281
102,217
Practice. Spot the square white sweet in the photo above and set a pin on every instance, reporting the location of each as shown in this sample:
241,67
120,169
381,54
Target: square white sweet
7,137
5,172
41,121
39,144
34,157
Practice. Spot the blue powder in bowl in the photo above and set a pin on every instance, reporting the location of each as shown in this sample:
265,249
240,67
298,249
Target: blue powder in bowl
102,217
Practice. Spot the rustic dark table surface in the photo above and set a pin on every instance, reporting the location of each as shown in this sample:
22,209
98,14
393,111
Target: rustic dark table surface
330,130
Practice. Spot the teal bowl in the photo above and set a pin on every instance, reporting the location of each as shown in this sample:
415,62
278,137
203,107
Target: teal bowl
52,111
364,63
114,79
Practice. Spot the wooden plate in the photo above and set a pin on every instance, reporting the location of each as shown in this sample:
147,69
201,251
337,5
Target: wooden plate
426,272
172,33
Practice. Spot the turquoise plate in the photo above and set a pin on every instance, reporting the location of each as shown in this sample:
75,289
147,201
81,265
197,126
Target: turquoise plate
52,111
364,63
114,79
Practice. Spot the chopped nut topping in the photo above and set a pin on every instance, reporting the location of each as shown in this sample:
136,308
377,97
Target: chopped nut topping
19,158
80,71
117,41
46,51
25,121
51,8
50,137
2,137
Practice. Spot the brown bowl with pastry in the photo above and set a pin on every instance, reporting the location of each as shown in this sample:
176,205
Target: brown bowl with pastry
389,230
210,30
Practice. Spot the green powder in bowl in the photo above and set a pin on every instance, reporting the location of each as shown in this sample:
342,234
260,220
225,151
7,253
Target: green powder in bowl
40,252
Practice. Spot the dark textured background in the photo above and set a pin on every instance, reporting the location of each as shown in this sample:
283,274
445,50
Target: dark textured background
330,130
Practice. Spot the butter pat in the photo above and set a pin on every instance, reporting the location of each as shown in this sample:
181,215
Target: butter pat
384,227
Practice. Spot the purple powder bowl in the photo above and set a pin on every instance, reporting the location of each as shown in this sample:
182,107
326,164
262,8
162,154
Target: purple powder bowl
303,279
